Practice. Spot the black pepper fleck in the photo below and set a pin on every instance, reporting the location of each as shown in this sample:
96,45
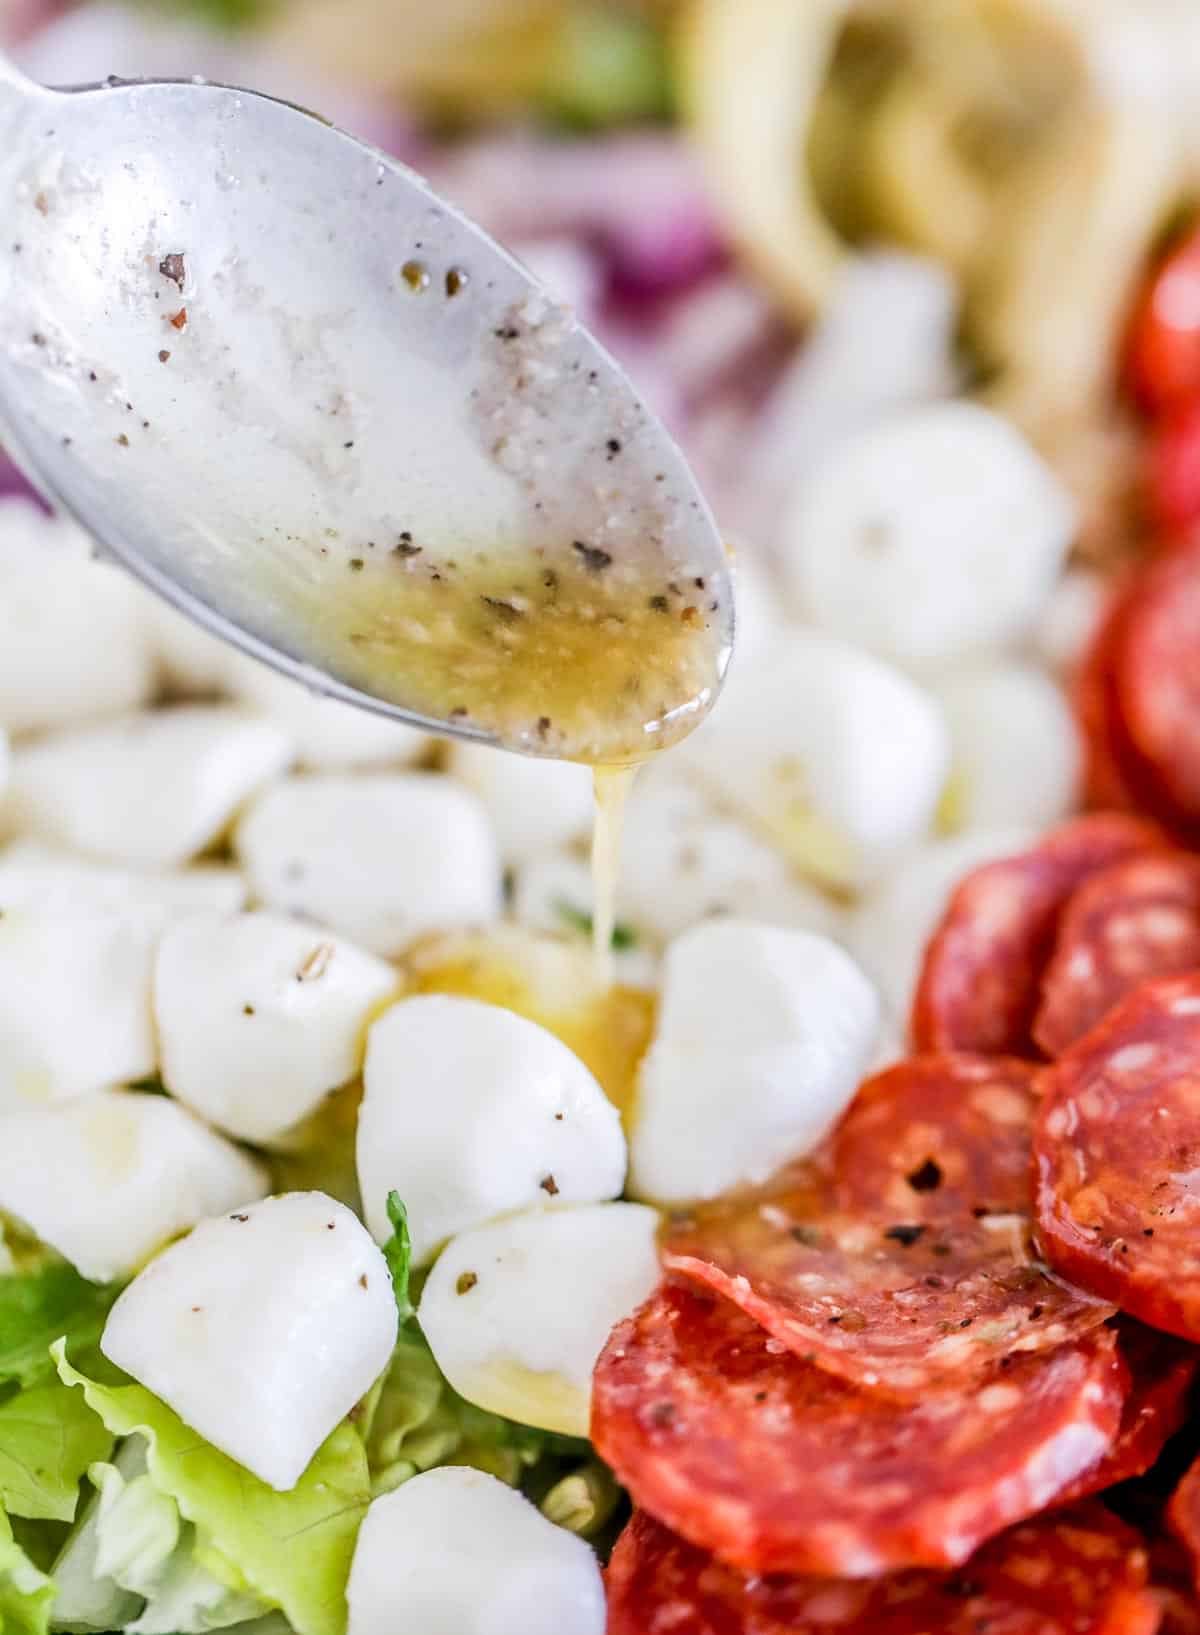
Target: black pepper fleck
356,564
172,267
466,1282
549,1186
593,558
927,1177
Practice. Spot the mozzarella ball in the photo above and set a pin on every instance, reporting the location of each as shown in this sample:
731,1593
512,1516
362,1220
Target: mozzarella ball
73,641
517,1312
456,1552
110,1176
836,757
261,1329
153,790
328,734
1069,619
1018,758
34,876
763,1035
191,661
891,925
74,1004
259,1017
470,1111
535,806
932,537
383,859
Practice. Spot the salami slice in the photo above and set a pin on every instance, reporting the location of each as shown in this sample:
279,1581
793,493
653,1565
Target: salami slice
1137,920
1110,775
1117,1150
978,987
775,1466
1157,679
903,1260
1162,1371
1183,1518
1080,1572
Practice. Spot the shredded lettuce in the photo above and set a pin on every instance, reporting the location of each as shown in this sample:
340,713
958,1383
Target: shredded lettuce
289,1550
40,1305
48,1438
25,1592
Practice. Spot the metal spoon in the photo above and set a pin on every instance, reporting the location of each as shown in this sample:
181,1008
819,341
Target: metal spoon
256,359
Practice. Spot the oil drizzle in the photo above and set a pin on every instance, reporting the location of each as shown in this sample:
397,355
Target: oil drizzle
612,785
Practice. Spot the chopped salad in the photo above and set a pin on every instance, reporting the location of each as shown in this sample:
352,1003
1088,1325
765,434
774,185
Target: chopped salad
369,1258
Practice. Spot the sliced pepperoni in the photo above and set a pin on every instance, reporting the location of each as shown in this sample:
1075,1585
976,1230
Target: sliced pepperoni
1162,1370
776,1466
903,1260
1079,1572
1109,777
1117,1151
978,987
1173,1588
1156,672
1183,1518
1136,920
936,1137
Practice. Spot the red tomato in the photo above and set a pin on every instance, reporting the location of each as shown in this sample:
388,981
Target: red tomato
1173,470
1162,365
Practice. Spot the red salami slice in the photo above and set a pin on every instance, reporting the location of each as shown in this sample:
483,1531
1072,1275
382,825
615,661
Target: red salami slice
1137,920
1163,1371
1080,1572
937,1137
888,1263
978,986
1173,1589
1183,1518
1109,777
1117,1149
1157,679
775,1466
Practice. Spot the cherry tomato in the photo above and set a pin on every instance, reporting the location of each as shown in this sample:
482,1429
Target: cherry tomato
1173,470
1162,366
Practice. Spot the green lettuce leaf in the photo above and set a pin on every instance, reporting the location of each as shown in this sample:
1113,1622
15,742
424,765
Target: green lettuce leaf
291,1550
25,1593
37,1307
397,1251
48,1438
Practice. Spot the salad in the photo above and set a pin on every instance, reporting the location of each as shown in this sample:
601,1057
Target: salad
372,1258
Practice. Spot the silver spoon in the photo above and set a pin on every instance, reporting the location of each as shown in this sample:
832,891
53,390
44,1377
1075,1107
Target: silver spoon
287,386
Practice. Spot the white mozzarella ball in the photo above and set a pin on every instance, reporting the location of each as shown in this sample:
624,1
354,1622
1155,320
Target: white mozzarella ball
153,789
1070,618
891,925
1018,758
73,640
929,538
456,1552
109,1177
471,1111
837,757
329,735
259,1017
75,1010
382,858
518,1312
535,806
34,876
261,1329
762,1038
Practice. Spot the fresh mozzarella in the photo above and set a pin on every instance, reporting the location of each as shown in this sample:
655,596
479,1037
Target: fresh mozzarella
1069,619
328,734
73,640
762,1038
471,1111
152,790
456,1552
929,538
382,858
535,806
259,1017
833,754
518,1312
109,1177
192,663
261,1329
681,862
74,1004
891,925
34,876
1017,752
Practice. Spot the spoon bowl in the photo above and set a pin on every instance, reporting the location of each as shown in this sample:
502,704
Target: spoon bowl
303,398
